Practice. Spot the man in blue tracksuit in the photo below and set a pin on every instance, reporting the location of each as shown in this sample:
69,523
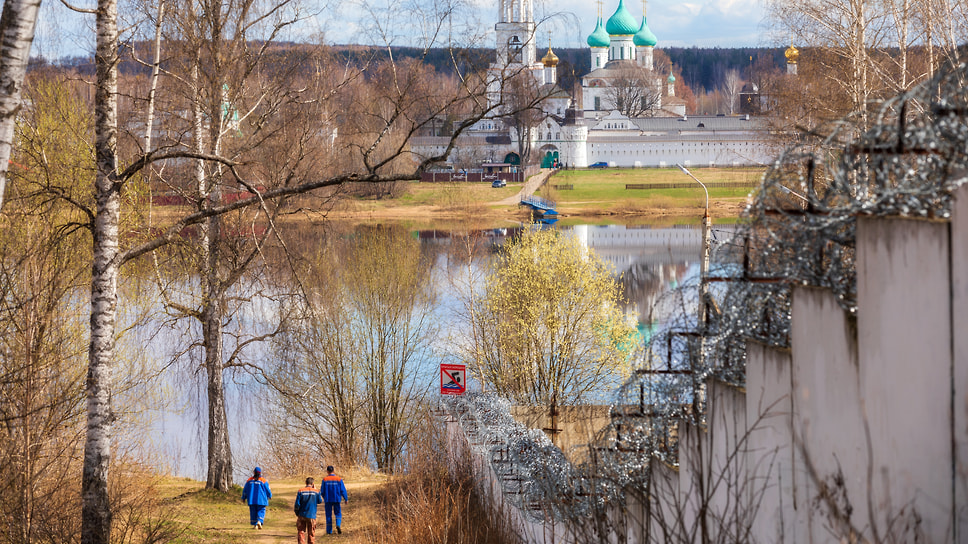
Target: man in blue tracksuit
305,508
256,494
333,490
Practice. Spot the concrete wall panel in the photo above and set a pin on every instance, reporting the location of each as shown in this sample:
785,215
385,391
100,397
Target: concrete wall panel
664,493
959,293
904,341
828,437
770,456
729,489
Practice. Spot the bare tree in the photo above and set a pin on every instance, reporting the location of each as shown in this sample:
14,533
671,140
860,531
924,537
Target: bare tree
350,369
634,92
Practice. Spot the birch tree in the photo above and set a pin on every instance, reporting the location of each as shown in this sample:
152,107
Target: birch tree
217,72
732,85
17,23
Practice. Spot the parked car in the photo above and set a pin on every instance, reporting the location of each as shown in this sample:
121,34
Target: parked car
599,165
498,183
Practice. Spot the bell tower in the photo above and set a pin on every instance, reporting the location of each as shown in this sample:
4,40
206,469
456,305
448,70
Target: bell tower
515,33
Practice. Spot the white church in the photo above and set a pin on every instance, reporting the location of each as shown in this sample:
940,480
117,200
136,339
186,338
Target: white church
588,126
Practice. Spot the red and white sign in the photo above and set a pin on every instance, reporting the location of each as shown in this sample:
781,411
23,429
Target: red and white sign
452,380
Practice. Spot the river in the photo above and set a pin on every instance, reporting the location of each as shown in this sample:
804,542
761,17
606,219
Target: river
649,262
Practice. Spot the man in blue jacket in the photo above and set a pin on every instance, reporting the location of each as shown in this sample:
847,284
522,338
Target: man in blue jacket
305,507
256,494
333,490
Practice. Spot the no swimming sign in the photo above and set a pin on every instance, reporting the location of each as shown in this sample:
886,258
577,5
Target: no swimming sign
452,380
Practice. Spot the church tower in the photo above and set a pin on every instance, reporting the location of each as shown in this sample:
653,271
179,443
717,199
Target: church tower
791,55
515,33
644,41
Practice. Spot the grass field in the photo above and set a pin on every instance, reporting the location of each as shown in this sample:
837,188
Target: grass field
606,185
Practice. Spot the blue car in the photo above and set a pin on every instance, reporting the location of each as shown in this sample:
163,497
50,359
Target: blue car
599,165
498,183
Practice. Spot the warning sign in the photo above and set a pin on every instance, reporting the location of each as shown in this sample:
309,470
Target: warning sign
452,380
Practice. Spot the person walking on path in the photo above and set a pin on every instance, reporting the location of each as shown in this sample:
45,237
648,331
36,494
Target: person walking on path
333,490
305,507
256,494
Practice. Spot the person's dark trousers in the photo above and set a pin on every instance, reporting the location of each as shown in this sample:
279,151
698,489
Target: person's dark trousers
332,508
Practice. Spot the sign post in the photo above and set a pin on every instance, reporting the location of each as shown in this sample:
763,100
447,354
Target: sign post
452,379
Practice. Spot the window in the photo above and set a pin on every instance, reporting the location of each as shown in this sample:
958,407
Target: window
598,103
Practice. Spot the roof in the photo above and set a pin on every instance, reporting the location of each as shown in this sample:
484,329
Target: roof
621,23
611,69
644,37
711,122
598,38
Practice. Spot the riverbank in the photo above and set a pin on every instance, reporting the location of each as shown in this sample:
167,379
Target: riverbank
582,196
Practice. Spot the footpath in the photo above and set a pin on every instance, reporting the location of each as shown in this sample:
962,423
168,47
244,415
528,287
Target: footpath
221,521
359,514
531,185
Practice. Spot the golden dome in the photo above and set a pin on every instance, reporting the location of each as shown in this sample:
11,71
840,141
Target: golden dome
791,54
550,60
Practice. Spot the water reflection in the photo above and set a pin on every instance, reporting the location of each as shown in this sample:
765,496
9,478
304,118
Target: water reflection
648,261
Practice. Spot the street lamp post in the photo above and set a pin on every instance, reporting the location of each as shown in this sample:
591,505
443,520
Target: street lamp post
703,280
704,264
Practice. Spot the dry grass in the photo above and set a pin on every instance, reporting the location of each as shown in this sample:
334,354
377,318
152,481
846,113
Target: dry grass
428,503
434,503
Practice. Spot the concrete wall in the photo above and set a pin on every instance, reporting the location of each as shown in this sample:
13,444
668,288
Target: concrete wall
578,426
860,430
959,304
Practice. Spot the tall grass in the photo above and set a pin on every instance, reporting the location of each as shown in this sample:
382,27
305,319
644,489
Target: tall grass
433,502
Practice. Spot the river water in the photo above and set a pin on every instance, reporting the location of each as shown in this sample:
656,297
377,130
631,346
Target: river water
650,261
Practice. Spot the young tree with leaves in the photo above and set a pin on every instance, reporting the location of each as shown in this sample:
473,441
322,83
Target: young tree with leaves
548,327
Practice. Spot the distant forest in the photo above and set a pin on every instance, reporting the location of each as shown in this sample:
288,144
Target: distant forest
702,68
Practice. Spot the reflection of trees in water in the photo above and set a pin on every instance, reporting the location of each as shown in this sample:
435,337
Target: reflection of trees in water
643,284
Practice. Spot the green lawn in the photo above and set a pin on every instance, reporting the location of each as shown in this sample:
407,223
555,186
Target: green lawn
595,192
604,190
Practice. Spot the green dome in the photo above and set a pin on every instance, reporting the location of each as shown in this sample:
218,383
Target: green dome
598,38
644,37
621,23
672,78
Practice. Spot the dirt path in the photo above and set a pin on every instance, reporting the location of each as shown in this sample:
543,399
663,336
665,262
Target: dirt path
530,186
359,514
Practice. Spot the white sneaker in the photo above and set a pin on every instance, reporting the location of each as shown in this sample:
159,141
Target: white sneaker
258,525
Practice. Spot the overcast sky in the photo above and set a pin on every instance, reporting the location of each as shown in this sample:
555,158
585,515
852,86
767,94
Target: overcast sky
702,23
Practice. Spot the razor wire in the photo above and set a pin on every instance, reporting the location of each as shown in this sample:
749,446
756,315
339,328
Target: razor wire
800,229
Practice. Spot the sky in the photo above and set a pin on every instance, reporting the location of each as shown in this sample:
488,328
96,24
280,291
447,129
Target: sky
701,23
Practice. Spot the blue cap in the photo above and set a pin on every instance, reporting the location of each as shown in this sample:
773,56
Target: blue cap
257,469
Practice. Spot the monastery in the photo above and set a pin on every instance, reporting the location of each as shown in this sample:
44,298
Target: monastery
625,114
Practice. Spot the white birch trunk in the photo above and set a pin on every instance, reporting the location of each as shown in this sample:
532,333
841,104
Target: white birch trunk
96,508
17,23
